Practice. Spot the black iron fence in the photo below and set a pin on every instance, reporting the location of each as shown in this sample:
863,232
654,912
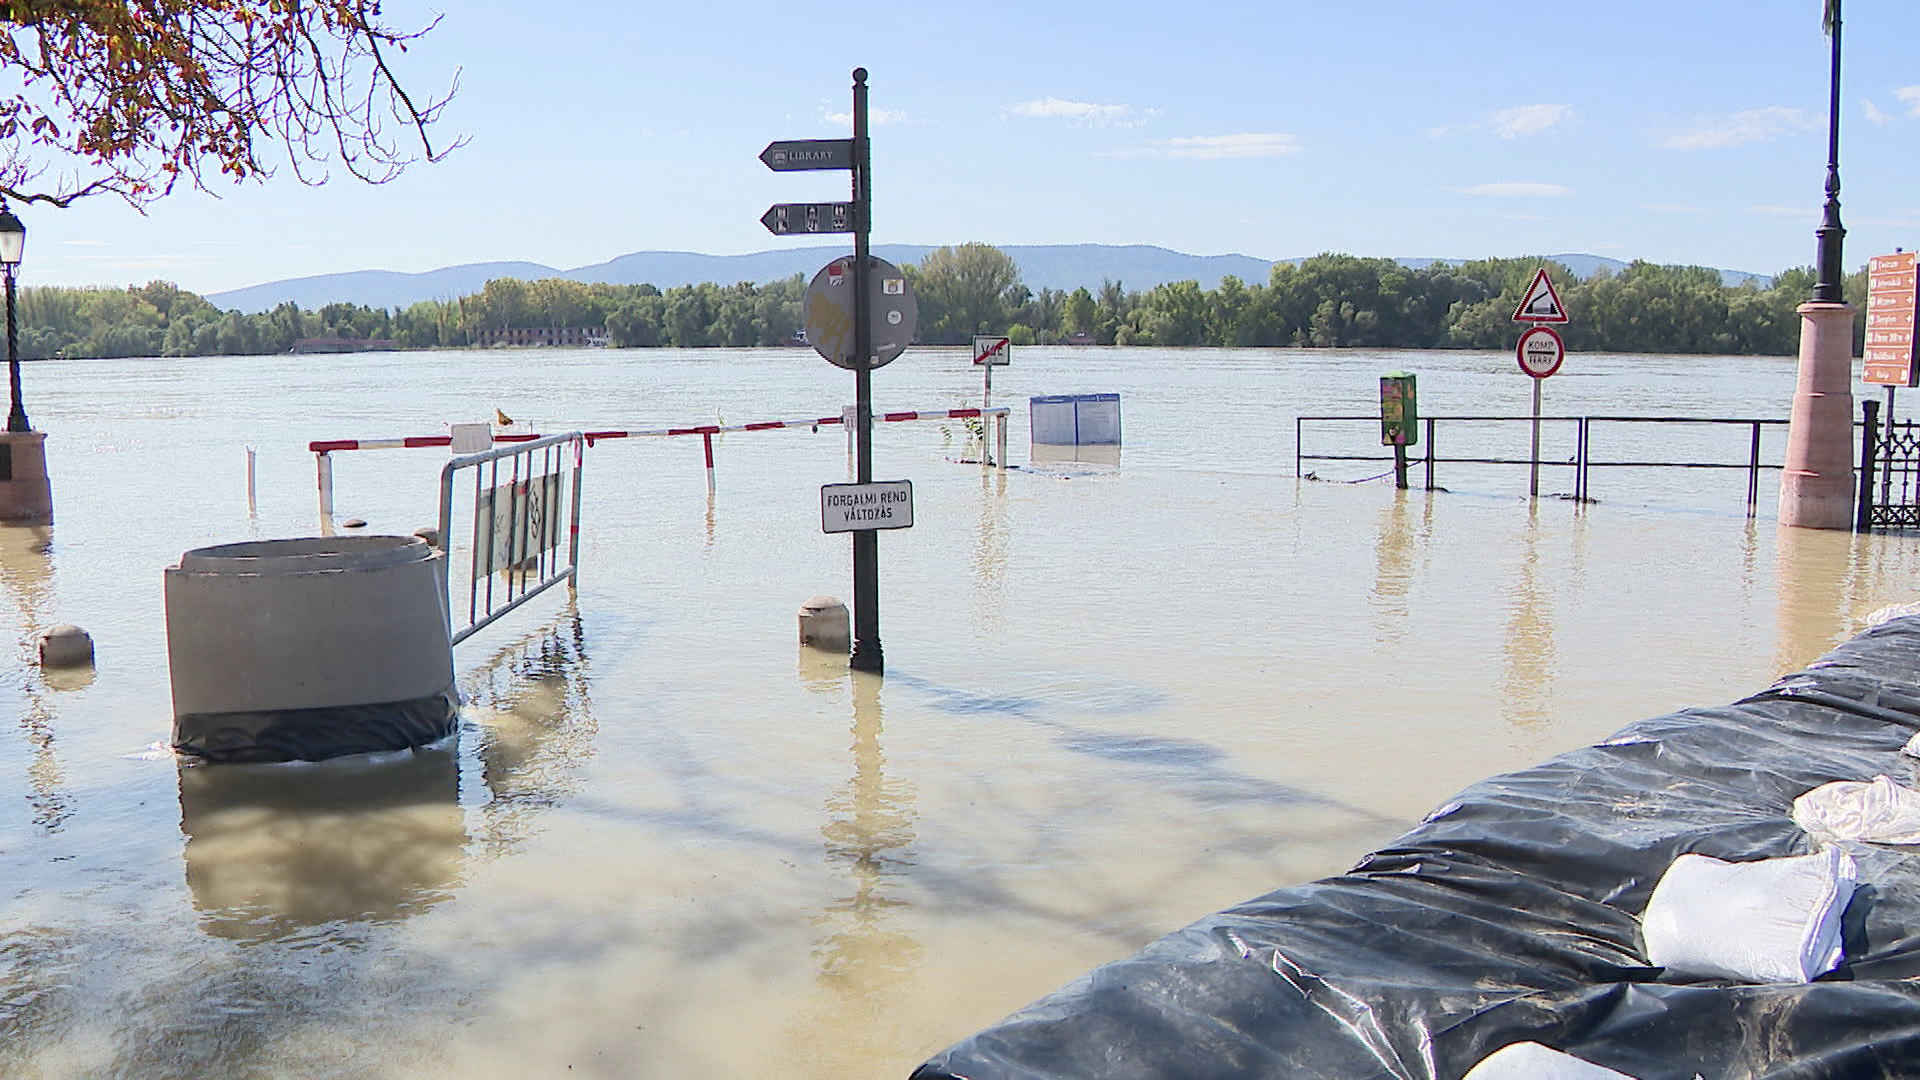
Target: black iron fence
1587,439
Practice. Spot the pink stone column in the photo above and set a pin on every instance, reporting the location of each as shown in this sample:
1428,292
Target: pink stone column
1817,485
26,496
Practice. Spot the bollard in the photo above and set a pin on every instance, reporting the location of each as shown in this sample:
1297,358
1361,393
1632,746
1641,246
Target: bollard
66,646
824,625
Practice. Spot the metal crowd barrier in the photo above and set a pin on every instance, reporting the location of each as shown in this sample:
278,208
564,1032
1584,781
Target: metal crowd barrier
518,496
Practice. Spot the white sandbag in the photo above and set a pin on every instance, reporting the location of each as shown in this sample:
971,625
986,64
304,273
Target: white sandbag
1771,921
1912,749
1531,1061
1878,811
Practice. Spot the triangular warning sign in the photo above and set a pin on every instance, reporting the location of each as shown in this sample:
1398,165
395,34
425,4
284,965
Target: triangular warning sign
1542,304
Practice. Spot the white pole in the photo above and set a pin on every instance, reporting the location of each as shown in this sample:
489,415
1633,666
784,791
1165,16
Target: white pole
253,505
849,419
325,466
1000,458
1533,468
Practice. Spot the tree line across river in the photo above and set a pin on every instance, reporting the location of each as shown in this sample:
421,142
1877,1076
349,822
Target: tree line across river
1328,301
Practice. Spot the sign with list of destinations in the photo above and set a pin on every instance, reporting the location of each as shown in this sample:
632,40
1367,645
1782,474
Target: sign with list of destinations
1891,292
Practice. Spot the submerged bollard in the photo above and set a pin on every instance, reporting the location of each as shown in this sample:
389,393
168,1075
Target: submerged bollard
824,625
66,646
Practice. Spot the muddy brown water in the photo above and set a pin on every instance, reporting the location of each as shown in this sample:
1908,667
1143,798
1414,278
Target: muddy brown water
1122,692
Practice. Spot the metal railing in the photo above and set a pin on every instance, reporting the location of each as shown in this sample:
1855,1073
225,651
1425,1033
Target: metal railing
515,550
1583,460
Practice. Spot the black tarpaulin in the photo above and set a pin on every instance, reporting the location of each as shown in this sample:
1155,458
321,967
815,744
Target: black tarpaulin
1511,914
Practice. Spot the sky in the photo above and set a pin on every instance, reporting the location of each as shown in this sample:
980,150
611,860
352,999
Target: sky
1682,132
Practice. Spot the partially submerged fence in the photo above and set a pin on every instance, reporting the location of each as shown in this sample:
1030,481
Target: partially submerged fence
1581,463
515,551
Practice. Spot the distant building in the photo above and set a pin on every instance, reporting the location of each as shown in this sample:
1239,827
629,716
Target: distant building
342,345
553,337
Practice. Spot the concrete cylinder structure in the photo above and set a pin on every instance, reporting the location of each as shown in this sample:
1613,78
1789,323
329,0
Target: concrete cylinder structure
26,495
824,625
1817,482
285,650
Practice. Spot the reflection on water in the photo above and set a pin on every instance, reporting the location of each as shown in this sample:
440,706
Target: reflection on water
1815,569
273,849
1393,550
530,716
864,960
27,576
990,548
1527,649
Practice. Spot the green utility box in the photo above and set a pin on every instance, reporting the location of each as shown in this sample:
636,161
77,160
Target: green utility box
1399,409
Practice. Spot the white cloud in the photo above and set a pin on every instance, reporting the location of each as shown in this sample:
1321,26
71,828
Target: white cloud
1083,113
876,117
1753,125
1874,113
1910,95
1246,144
1514,123
1529,119
1521,190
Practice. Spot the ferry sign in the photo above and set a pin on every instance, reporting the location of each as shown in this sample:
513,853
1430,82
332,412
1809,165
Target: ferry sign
1891,294
883,504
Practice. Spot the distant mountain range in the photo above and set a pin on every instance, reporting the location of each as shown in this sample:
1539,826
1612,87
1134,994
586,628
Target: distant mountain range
1057,266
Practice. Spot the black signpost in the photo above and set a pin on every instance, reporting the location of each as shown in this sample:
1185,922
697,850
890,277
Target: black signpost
854,155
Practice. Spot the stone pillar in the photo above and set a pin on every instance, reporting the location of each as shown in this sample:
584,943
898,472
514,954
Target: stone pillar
26,496
1817,485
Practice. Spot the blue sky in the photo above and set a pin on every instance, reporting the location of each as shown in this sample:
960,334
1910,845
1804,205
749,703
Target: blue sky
1688,132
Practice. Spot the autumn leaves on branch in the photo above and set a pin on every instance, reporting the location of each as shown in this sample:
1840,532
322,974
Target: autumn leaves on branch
129,97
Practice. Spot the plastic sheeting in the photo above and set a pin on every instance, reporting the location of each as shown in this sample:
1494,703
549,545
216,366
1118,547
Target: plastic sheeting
315,734
1511,915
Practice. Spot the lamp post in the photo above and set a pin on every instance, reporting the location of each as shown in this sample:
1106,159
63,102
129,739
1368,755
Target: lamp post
1829,289
1817,482
13,244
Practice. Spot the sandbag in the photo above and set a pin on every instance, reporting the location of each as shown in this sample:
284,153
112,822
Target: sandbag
1531,1061
1767,921
1876,811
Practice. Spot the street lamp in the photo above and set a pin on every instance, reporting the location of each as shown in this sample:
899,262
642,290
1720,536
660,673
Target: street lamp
1828,289
13,244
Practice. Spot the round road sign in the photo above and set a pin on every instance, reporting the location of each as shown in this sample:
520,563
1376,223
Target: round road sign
1540,351
827,312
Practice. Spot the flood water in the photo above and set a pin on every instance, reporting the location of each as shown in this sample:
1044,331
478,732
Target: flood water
1121,693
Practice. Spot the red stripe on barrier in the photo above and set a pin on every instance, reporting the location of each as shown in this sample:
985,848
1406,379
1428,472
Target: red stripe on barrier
893,416
427,440
592,435
337,444
962,413
765,427
497,438
831,420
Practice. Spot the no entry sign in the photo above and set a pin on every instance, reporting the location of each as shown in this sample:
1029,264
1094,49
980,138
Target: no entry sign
1540,351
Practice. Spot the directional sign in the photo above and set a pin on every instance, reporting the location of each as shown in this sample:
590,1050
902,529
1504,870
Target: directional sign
884,504
996,351
827,312
785,219
801,155
1892,291
1540,351
1542,303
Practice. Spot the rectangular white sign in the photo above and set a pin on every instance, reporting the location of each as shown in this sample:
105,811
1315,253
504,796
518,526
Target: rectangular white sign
884,504
997,351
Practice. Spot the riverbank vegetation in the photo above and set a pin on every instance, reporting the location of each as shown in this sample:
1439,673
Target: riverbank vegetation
1328,301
